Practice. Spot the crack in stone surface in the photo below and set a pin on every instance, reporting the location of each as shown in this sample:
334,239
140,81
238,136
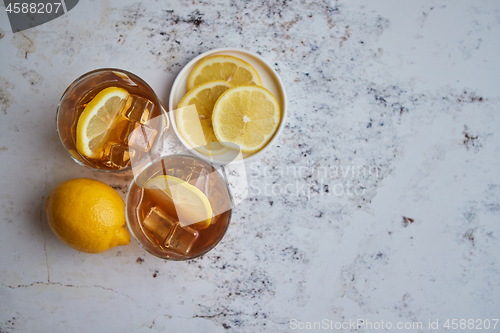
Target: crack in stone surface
73,286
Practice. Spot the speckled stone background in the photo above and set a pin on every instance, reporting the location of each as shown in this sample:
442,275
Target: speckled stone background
380,201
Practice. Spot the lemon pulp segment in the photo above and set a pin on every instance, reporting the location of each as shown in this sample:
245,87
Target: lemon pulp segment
247,116
194,117
98,117
191,204
223,67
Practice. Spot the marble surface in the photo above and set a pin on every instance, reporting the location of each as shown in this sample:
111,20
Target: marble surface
380,201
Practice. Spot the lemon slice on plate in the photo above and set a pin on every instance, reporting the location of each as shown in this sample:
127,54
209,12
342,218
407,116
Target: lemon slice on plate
223,67
191,204
194,117
247,116
98,117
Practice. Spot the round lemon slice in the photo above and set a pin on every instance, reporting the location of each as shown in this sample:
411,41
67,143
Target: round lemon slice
247,116
98,117
194,117
191,204
223,67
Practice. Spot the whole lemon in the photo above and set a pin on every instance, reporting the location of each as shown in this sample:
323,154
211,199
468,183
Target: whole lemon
87,215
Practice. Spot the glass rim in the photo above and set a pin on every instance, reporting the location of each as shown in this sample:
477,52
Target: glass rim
223,177
110,69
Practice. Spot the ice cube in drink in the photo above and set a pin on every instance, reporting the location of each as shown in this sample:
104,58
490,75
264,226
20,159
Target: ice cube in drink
167,233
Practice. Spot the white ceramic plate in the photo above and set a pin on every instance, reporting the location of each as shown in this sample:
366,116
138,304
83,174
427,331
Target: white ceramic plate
270,80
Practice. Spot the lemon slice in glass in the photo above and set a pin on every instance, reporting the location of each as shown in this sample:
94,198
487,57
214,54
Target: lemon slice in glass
191,204
223,67
194,117
247,116
98,117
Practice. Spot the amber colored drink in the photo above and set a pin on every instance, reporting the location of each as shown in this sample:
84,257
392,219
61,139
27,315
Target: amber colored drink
139,124
155,224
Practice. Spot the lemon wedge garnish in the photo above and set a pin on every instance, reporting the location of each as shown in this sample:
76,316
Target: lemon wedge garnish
98,117
194,117
247,116
191,204
223,67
